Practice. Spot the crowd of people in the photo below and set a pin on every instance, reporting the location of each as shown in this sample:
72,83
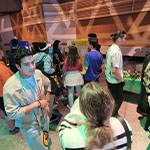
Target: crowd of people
36,76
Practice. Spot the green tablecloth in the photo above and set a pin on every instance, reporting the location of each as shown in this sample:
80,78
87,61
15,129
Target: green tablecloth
132,85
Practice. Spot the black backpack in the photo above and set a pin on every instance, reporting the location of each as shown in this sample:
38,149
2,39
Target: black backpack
55,83
40,66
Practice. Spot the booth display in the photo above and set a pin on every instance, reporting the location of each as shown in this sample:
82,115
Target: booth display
21,43
132,81
82,46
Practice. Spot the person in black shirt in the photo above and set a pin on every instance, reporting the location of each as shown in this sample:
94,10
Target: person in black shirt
57,57
11,54
142,102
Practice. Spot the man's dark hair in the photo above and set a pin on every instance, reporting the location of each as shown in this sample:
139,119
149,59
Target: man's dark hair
21,53
115,36
14,42
93,42
92,35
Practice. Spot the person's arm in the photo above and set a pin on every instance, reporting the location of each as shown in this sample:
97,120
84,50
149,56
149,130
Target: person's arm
117,74
47,97
116,58
40,103
102,64
86,68
13,107
60,56
6,76
86,63
75,116
64,69
44,102
48,65
69,127
80,65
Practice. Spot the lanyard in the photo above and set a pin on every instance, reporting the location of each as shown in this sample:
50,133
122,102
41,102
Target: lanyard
40,121
39,94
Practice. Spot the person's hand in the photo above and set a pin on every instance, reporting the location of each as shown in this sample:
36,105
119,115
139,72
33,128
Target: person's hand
44,103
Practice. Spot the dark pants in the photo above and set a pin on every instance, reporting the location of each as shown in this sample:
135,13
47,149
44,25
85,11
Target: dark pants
147,124
85,81
2,105
142,102
117,92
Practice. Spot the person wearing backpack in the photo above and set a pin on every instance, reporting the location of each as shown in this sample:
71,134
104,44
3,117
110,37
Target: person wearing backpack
89,124
43,57
43,62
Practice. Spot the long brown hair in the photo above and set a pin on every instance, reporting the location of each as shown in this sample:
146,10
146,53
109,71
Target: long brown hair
73,56
96,103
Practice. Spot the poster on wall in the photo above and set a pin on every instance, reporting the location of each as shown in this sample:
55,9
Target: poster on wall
82,46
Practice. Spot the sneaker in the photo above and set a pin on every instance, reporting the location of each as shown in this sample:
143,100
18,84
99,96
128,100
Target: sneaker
15,130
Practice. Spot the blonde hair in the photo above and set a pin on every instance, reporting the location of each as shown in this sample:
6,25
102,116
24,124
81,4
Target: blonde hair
96,103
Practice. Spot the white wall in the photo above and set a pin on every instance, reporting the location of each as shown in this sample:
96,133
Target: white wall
130,51
6,31
55,28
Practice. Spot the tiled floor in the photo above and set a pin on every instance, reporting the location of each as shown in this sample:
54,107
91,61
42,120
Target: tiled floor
127,110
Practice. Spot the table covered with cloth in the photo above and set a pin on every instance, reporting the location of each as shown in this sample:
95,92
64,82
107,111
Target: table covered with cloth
132,85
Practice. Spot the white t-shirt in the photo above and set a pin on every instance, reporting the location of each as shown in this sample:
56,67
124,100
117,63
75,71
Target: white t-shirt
113,59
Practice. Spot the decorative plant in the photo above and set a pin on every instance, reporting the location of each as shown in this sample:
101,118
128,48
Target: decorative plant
132,74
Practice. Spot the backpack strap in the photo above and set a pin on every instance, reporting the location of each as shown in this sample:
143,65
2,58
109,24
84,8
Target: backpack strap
43,58
127,131
40,64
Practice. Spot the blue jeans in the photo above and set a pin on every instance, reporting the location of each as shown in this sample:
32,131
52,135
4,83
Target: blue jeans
70,93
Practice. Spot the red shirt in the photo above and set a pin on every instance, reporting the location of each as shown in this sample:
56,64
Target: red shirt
67,68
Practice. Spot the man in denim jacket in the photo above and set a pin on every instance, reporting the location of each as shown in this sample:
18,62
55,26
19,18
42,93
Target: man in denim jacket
26,99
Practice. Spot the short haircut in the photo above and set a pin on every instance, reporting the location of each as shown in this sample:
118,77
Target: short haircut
92,35
14,42
93,42
21,53
120,34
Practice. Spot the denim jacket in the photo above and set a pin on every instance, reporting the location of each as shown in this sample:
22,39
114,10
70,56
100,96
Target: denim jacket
16,96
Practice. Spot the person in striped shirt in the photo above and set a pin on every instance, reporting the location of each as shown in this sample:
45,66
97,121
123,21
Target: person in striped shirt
90,126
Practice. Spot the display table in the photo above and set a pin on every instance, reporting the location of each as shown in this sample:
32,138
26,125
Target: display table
132,85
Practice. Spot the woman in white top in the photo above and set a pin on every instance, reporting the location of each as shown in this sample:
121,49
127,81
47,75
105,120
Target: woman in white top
89,125
73,78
